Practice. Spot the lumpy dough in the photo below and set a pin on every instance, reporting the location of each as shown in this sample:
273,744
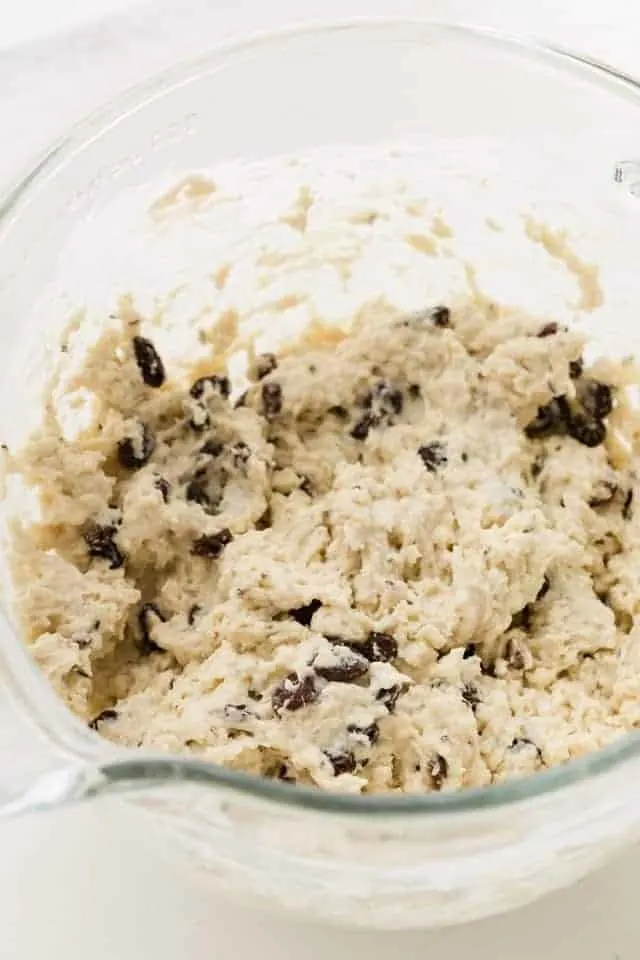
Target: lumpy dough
405,559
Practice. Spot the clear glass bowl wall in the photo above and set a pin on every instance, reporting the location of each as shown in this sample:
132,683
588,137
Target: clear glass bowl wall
529,131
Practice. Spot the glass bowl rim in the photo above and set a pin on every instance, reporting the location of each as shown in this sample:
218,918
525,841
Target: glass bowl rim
124,769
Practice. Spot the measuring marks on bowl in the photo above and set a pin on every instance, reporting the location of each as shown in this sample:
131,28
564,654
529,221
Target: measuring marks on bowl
627,173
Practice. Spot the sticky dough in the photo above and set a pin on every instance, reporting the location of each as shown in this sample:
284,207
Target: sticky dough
395,564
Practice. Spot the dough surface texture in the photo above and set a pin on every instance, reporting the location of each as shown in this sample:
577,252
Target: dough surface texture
406,559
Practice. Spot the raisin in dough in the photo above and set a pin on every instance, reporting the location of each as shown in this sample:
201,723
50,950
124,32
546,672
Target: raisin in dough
404,560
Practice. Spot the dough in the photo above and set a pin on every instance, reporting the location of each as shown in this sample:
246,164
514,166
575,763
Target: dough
406,559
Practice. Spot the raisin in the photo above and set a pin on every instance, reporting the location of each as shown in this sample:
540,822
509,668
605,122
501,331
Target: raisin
609,491
440,316
194,610
271,399
520,743
100,543
576,368
217,382
414,391
164,487
211,545
294,692
394,399
554,418
470,695
254,695
596,398
544,589
438,770
108,714
627,505
389,696
133,454
211,448
590,433
303,615
306,486
149,363
264,364
337,410
349,666
522,619
145,615
281,772
549,330
371,732
537,467
469,651
79,672
384,399
265,521
360,430
433,455
240,454
379,648
237,713
342,761
196,492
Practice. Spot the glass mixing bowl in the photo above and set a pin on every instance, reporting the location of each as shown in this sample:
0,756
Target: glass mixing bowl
523,128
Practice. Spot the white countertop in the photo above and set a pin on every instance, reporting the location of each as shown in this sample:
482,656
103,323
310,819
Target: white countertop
83,883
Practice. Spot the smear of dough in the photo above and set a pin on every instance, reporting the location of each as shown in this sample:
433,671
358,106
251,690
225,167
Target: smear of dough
193,189
299,216
422,243
557,245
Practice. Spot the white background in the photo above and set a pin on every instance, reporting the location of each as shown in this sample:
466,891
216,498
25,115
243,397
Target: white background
83,883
